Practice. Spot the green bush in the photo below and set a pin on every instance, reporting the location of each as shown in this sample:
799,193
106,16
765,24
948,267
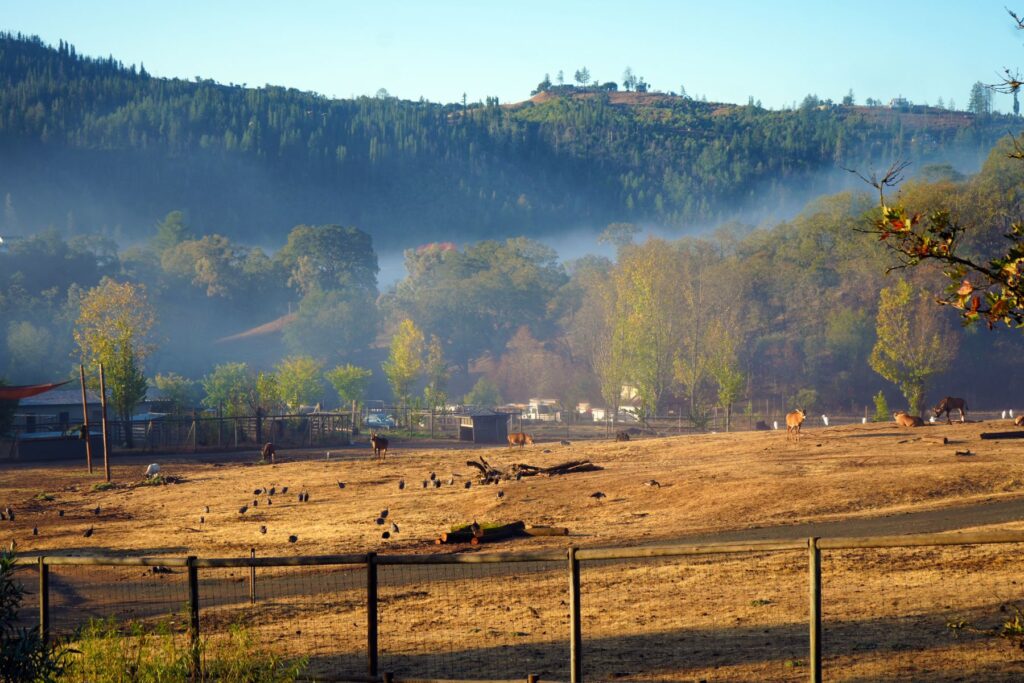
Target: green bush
23,654
882,413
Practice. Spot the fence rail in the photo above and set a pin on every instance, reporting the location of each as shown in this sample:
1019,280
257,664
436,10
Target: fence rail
390,579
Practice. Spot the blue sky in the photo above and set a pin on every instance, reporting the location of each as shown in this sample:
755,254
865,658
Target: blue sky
776,52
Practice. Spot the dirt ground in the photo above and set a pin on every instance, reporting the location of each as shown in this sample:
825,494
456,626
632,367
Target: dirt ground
742,617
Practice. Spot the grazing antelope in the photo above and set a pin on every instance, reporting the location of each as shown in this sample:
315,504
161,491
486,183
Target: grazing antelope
793,422
622,436
380,446
519,439
949,404
904,420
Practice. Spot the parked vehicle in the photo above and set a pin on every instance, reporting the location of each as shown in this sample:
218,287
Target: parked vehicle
379,421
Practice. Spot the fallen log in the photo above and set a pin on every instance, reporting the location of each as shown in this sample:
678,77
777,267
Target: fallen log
463,534
546,531
1002,435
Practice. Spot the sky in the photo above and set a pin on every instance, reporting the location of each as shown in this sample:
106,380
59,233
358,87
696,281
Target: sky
776,52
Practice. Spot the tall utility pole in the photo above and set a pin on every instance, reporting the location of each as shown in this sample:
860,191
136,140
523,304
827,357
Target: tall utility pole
85,420
103,418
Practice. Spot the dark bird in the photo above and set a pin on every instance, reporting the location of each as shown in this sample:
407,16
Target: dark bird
272,490
341,484
242,510
401,484
206,509
598,495
270,501
293,538
394,527
384,513
255,503
476,530
263,529
379,521
88,532
653,482
468,483
257,492
519,475
2,516
437,483
202,520
306,498
426,483
433,476
60,513
386,535
302,497
501,494
284,490
96,510
35,531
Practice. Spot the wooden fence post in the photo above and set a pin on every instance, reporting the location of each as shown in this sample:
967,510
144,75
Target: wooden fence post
85,420
815,608
575,625
44,600
193,609
252,577
371,613
103,419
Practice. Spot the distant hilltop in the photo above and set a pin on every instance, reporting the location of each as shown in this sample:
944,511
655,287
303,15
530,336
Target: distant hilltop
92,145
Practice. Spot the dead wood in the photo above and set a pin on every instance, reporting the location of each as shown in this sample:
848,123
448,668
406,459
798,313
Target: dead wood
546,531
464,534
1002,435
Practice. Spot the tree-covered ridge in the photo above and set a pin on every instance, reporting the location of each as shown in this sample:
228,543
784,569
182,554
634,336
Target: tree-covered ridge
254,161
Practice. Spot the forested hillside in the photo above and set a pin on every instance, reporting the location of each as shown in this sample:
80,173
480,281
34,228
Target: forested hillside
90,146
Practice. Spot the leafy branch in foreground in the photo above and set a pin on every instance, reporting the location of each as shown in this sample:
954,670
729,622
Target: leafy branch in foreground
990,289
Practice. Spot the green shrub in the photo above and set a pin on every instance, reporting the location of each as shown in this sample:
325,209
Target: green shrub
882,413
23,654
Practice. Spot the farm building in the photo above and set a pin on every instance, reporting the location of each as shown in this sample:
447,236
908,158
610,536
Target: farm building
484,426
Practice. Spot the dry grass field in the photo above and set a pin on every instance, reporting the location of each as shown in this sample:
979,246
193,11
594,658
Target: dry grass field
740,617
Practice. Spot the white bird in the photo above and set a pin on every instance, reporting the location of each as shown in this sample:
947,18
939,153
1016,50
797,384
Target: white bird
824,418
775,424
1004,414
863,420
1011,412
152,469
932,419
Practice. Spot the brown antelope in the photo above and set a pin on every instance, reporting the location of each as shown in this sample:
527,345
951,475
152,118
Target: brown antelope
949,404
380,446
1019,420
904,420
519,439
793,422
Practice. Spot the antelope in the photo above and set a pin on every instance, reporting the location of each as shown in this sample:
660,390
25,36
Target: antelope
519,439
904,420
380,446
793,422
949,404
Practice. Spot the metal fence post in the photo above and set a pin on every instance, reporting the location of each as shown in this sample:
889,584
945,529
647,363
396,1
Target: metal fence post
814,574
575,626
252,576
193,609
371,613
44,600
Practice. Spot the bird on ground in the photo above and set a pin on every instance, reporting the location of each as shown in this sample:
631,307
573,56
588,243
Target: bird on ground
653,482
206,509
433,476
386,535
437,483
863,420
519,475
202,520
379,521
598,495
1004,415
327,456
306,498
10,513
270,501
451,481
152,469
273,489
96,510
60,513
302,497
2,516
563,442
475,529
468,484
341,484
88,532
293,538
35,531
284,490
425,483
384,513
394,527
931,419
775,424
401,484
263,529
255,503
242,510
257,492
824,418
501,494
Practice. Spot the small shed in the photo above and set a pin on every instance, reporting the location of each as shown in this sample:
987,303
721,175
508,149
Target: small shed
484,426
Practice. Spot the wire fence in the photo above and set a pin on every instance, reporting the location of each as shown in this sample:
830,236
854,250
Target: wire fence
926,607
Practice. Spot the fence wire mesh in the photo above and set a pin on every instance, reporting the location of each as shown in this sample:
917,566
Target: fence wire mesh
26,579
718,617
474,621
921,614
316,612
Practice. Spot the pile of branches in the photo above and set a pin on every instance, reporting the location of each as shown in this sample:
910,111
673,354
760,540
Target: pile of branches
490,474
